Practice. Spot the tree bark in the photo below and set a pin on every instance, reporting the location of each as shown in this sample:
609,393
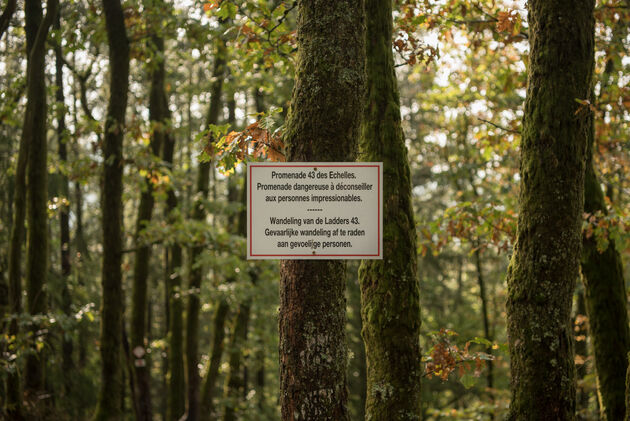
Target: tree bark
158,122
176,400
606,305
34,132
109,407
545,264
67,348
323,125
199,214
389,287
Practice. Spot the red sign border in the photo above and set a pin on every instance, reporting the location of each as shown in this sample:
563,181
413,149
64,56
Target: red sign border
250,166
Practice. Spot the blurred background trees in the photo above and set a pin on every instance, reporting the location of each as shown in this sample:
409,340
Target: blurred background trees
198,323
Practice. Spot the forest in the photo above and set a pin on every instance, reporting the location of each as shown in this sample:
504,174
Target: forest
126,131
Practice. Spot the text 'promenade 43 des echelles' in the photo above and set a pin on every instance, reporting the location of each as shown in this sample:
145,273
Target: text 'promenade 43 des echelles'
315,210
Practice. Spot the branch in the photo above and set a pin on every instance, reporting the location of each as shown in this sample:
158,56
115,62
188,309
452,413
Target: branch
498,127
5,19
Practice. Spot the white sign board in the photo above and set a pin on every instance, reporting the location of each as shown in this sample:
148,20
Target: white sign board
315,210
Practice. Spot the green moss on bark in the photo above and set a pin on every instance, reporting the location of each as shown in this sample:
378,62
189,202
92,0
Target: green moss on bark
389,287
323,125
606,305
545,264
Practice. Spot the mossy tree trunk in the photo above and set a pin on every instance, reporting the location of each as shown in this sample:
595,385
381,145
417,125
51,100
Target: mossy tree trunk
606,305
109,407
34,131
323,125
199,214
545,264
389,287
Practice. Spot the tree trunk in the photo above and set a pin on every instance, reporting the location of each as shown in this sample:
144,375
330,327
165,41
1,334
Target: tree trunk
212,376
158,121
109,407
545,264
235,382
389,287
176,399
323,125
67,364
606,305
581,351
195,271
34,133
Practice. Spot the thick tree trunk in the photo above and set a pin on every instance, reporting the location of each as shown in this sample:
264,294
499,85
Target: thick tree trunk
109,401
34,132
389,287
545,264
196,271
606,306
323,125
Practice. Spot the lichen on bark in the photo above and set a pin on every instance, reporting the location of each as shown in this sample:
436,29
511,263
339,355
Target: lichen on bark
323,125
389,287
545,264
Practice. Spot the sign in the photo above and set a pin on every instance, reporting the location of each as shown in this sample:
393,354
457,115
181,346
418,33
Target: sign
315,210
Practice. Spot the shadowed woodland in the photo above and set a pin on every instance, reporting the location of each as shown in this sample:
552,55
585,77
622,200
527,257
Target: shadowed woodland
504,132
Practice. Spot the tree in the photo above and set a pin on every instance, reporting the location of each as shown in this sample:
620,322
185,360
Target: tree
195,270
544,267
389,287
34,132
158,114
323,125
604,286
109,407
64,215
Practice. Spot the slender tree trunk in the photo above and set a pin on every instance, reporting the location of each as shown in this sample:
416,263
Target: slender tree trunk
604,285
235,382
109,406
208,390
157,117
6,16
323,125
581,351
606,305
208,393
196,271
37,183
176,399
67,364
486,319
389,287
545,264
